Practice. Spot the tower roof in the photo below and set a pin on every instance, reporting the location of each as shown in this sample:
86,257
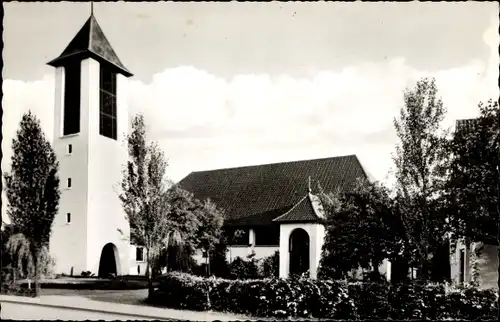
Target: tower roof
90,41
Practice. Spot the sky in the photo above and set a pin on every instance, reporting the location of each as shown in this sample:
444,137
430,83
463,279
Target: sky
234,84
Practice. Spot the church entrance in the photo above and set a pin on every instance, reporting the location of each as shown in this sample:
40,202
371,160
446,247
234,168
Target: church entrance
299,251
108,263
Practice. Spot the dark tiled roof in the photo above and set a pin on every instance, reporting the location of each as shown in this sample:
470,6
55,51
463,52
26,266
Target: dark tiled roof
466,125
90,41
254,195
306,210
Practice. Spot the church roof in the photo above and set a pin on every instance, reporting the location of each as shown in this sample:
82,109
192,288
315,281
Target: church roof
308,209
90,41
255,195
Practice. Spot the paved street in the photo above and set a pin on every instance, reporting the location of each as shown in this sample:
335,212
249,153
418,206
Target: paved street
15,311
98,305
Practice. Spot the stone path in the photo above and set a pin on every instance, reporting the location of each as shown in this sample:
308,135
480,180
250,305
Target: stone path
81,308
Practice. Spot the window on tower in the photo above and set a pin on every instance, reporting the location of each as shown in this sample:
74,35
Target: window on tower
71,122
139,254
107,102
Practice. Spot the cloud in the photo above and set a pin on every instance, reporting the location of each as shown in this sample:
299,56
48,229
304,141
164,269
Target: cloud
203,121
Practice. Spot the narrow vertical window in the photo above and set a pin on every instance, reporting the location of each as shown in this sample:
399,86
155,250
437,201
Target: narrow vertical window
139,254
70,148
107,102
68,218
71,116
69,182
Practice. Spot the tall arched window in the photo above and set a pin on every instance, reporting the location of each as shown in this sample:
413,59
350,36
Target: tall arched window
107,102
71,116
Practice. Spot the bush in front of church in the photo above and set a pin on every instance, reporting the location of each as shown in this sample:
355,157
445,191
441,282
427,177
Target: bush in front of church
270,266
182,291
326,299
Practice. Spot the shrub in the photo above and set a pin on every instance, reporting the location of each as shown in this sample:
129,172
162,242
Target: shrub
305,298
182,291
270,266
9,286
245,269
86,273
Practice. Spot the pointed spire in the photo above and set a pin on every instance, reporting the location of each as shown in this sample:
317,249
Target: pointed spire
309,184
91,8
90,41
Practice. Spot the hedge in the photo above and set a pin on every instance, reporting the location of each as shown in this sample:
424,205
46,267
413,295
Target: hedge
324,299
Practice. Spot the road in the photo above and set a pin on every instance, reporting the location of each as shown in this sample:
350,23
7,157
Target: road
25,311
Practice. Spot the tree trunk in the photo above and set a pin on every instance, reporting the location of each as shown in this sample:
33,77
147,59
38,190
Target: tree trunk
149,273
37,273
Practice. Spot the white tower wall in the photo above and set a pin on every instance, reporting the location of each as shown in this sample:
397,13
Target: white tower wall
95,167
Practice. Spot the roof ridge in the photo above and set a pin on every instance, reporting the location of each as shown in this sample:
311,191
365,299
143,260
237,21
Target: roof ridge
274,163
90,32
295,206
312,204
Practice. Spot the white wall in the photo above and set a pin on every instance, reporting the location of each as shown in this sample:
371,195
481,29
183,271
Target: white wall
316,234
487,264
95,168
68,241
455,263
133,270
243,252
107,158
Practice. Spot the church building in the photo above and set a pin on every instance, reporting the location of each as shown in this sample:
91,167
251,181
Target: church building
275,205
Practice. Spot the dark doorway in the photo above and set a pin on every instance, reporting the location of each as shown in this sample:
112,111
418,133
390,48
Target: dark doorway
299,251
108,262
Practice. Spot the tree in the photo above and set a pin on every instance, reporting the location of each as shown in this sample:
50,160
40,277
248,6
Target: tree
361,231
32,189
21,250
473,181
143,194
182,218
209,230
420,171
473,185
159,216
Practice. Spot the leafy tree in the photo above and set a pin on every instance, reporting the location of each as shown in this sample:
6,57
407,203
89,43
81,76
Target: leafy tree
420,172
473,186
361,231
20,249
209,230
182,218
473,181
194,225
32,189
219,265
144,195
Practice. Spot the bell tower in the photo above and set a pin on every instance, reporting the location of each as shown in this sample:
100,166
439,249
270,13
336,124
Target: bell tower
90,124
